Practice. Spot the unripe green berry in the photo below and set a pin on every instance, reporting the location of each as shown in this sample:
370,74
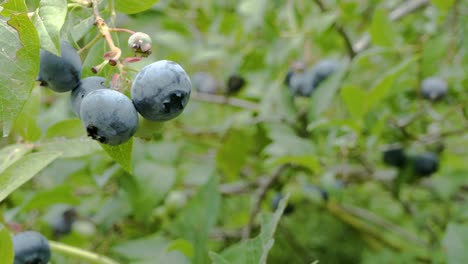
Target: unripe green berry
140,43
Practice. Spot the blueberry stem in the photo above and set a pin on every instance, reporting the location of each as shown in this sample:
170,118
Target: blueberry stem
129,31
222,100
92,257
104,30
90,44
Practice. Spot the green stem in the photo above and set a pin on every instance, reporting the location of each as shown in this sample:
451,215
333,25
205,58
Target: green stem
80,253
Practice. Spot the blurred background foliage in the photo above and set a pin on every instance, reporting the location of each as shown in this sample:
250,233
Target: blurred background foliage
194,180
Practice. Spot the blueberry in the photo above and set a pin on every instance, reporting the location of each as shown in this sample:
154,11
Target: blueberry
275,202
87,85
161,90
287,78
63,224
109,116
31,247
425,164
434,88
204,82
301,83
61,74
234,84
298,80
394,156
323,69
140,43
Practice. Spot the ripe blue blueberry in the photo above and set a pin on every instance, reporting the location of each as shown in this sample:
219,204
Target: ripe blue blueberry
434,88
425,164
275,202
394,156
61,74
204,82
303,82
161,90
287,78
234,84
62,225
323,69
87,85
31,247
108,116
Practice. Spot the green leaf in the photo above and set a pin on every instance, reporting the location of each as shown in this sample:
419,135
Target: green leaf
62,194
195,221
19,65
382,30
133,6
26,123
455,243
233,153
324,94
254,250
152,181
23,170
48,20
253,12
13,6
78,23
434,52
443,4
385,83
122,154
151,249
68,128
93,58
12,153
6,246
355,100
306,161
71,148
181,245
144,248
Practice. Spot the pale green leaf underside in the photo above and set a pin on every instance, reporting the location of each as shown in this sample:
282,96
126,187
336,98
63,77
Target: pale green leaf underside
48,20
23,170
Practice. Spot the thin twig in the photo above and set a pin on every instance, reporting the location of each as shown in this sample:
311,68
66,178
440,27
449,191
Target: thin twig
91,43
224,234
223,100
339,28
401,11
129,31
259,196
379,221
235,188
80,253
104,31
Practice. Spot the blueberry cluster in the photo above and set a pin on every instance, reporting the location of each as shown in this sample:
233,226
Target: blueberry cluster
31,247
303,81
421,165
160,92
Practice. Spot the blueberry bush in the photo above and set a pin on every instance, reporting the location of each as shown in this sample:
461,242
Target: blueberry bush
217,131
